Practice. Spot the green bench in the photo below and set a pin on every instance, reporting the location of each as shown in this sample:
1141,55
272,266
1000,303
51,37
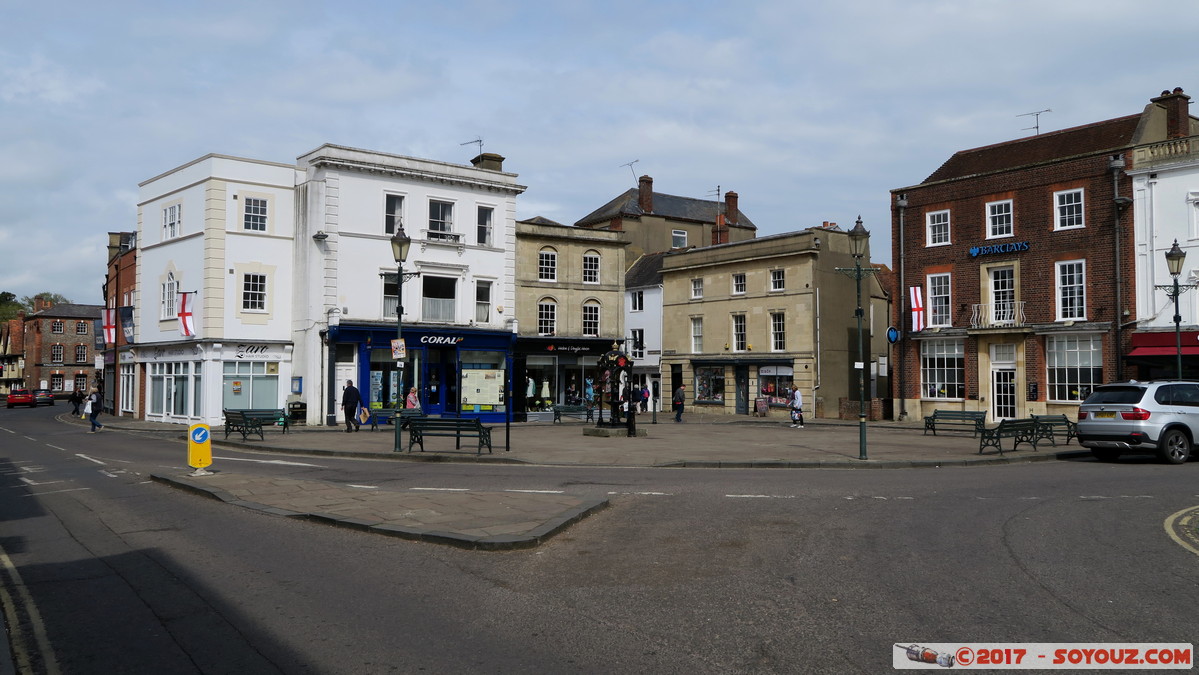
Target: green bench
455,427
1051,423
248,422
575,410
974,420
1025,430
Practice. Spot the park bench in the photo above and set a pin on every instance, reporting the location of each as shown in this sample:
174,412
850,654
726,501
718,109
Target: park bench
575,410
971,419
456,427
388,415
1025,430
248,422
1051,423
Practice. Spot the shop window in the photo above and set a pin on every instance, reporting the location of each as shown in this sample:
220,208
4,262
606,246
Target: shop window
709,384
1074,366
250,385
540,383
942,369
774,384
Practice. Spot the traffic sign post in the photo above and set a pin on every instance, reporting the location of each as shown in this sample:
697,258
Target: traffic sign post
199,449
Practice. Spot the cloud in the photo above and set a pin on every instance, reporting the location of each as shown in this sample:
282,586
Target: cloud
35,79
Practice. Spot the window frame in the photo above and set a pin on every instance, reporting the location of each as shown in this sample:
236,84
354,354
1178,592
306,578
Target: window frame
393,212
636,301
638,335
444,221
931,304
939,359
483,300
484,226
169,295
547,264
778,331
591,324
740,336
81,353
81,328
709,379
57,353
258,218
995,219
1059,217
591,267
1079,301
547,317
1072,389
739,286
58,327
678,238
172,220
697,288
257,295
778,280
697,335
933,236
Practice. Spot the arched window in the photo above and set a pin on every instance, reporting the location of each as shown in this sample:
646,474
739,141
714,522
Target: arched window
547,264
591,267
547,316
591,318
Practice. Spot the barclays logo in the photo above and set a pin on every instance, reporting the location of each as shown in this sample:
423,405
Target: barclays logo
1013,247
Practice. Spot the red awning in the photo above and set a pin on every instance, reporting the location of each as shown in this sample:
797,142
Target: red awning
1187,350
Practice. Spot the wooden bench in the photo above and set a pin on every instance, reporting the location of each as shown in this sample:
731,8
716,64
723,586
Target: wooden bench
457,427
1025,430
270,417
971,419
575,410
249,422
389,415
1051,423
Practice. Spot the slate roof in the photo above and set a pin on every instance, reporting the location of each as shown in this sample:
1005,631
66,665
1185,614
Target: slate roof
645,271
68,311
666,206
1114,134
541,220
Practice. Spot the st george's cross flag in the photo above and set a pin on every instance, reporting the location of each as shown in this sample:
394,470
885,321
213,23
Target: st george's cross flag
187,318
110,325
917,309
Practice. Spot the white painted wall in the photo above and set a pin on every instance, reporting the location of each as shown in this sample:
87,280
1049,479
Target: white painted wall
1166,207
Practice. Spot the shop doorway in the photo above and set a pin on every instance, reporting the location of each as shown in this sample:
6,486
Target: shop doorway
440,388
741,377
1003,382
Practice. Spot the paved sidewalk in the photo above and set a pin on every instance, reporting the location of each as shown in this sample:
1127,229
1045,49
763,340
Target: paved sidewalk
502,520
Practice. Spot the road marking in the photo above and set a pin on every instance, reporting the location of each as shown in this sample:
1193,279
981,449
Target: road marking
31,438
108,473
33,482
538,492
1181,528
364,487
53,492
441,489
644,494
90,459
22,651
268,461
761,496
57,448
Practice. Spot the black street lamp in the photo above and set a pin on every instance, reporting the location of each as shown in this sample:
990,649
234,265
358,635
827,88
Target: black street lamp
1174,259
400,245
859,238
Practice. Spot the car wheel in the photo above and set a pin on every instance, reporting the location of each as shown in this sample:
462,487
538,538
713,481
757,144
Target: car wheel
1106,454
1174,447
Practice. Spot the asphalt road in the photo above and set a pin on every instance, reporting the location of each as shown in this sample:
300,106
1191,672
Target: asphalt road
689,570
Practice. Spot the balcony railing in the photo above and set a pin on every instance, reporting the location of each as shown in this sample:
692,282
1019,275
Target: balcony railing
1175,150
998,315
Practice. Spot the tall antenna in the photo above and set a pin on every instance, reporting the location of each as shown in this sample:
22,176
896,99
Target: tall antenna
630,165
715,193
1036,127
478,141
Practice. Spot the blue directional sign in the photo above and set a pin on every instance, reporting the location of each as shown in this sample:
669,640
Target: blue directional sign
199,446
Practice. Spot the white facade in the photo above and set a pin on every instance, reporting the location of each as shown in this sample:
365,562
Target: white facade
219,228
1166,208
643,312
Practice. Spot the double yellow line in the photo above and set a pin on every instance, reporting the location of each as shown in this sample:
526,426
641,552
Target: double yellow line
25,654
1183,528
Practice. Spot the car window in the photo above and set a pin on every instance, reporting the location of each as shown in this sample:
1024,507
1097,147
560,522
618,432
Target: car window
1116,395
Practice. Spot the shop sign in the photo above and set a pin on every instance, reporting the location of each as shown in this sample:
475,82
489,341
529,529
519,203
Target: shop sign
776,370
1013,247
441,339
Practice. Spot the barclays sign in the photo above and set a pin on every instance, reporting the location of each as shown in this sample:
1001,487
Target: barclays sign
1014,247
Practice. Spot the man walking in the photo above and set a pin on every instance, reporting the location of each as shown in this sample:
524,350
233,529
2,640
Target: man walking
350,401
678,403
796,407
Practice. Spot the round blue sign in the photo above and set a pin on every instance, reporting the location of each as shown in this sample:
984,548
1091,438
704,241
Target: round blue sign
892,335
200,435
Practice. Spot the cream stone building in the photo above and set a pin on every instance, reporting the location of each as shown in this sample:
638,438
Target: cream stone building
569,311
742,321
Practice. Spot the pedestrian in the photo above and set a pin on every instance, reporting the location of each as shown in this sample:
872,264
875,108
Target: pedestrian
645,398
76,400
796,407
413,401
350,402
92,409
679,396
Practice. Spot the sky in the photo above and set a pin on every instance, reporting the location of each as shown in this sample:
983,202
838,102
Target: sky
811,110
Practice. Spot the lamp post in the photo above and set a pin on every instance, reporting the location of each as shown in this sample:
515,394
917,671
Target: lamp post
400,244
1174,259
859,237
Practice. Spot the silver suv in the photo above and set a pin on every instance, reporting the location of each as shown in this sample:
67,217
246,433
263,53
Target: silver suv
1160,416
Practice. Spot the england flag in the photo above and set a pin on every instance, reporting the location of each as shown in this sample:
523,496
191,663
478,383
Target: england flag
917,309
187,325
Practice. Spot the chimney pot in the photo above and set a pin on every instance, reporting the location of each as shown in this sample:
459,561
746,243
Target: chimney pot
645,194
489,161
1178,119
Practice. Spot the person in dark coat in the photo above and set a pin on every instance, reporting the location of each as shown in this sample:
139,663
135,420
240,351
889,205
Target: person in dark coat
76,400
351,400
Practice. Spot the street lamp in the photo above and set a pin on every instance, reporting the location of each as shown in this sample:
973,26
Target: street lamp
400,245
1174,259
859,238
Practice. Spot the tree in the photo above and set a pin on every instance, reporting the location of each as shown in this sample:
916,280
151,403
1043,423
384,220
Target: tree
9,306
54,298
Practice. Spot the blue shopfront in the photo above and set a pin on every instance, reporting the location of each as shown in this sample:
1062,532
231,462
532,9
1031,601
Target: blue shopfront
457,372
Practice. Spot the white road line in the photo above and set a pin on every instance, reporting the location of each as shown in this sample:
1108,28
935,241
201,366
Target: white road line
108,473
441,489
8,430
364,487
90,459
57,448
33,482
761,496
267,461
31,438
538,492
645,494
53,492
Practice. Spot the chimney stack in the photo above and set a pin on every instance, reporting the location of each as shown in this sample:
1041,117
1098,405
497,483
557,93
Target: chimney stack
489,161
645,194
1178,120
730,207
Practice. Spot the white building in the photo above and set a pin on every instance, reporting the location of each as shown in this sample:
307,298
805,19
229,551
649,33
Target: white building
290,274
643,321
220,230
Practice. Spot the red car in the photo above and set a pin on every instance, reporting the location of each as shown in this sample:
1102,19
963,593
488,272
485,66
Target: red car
21,397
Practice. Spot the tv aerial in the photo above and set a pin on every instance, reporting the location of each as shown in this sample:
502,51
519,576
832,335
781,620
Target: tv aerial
1036,127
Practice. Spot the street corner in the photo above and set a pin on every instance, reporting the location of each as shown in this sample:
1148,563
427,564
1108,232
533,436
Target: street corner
1183,528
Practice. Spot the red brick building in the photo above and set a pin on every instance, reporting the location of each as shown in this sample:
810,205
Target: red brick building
121,388
60,346
1021,256
12,353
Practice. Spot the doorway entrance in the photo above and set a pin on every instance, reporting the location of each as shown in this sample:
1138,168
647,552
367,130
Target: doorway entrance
1003,382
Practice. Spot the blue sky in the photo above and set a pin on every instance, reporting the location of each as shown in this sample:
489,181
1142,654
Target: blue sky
810,110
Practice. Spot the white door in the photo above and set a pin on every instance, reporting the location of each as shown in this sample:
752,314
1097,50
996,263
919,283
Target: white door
1003,382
